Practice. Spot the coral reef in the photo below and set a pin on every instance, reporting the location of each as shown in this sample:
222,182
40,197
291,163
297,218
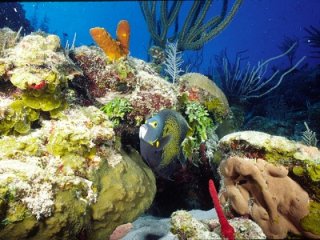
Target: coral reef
8,39
114,49
152,93
185,226
200,88
261,174
116,109
39,72
100,76
194,32
62,175
70,162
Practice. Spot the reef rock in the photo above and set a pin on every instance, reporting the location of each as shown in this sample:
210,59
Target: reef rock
128,78
66,178
261,178
36,72
185,226
200,88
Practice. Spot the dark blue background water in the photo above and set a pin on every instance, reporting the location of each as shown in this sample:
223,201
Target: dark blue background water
259,26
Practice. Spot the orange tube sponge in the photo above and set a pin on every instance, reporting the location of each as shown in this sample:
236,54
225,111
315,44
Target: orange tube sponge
123,35
114,49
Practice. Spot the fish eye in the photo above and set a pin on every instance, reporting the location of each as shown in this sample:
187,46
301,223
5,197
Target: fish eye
154,124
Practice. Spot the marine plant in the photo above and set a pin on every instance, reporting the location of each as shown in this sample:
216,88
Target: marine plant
200,123
309,137
195,31
286,44
314,39
116,109
173,61
243,84
198,119
113,48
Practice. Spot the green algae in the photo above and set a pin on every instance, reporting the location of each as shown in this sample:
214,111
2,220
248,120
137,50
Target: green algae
216,107
311,222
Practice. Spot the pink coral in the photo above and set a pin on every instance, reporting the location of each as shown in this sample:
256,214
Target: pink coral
121,231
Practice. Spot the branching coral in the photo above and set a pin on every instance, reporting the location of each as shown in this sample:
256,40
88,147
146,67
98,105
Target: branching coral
239,84
195,32
114,49
227,230
314,39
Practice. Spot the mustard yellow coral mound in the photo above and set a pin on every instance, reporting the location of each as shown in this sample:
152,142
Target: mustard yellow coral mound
125,191
67,178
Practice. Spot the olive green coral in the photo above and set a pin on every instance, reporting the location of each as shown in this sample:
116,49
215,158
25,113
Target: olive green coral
16,117
311,222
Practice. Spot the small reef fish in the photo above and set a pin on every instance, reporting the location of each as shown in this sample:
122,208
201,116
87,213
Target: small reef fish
160,141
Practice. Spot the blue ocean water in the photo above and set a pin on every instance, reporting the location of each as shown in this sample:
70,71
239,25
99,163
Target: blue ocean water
257,31
259,26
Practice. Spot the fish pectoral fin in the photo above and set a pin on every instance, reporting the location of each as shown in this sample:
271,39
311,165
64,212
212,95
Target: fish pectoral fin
163,141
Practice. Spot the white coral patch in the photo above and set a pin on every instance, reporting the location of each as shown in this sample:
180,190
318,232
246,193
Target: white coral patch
114,159
40,200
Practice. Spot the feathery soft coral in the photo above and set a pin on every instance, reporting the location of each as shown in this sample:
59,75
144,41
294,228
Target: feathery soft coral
114,49
227,230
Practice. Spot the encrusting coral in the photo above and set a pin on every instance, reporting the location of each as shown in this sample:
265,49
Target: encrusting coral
184,226
114,49
67,173
102,77
62,174
40,73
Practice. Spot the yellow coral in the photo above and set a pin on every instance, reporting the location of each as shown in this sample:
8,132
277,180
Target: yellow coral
114,49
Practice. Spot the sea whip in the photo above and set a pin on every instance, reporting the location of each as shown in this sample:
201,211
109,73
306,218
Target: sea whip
226,229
